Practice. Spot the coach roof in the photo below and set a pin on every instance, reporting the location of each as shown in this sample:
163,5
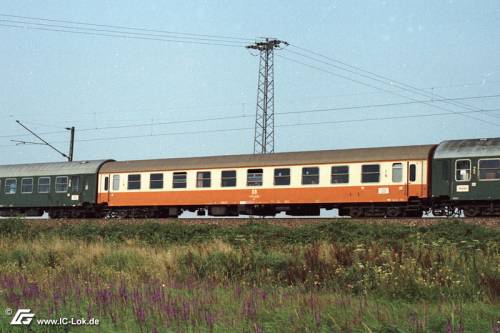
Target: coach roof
51,169
293,158
468,148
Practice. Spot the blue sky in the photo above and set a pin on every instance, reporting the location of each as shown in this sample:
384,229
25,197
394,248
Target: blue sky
53,80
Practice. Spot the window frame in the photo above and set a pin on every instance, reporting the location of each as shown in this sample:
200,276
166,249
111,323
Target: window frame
48,185
226,178
5,186
470,170
479,169
139,181
205,182
156,181
412,173
32,185
289,176
332,174
55,184
401,168
309,176
370,173
250,183
174,183
115,181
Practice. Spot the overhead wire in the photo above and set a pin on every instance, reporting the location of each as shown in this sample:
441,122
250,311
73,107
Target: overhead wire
219,118
125,36
374,76
278,113
382,89
114,138
125,27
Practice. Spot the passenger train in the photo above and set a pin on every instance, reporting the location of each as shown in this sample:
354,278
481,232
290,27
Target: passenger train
450,178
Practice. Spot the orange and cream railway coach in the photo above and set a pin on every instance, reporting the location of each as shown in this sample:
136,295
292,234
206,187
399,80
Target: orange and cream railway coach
391,181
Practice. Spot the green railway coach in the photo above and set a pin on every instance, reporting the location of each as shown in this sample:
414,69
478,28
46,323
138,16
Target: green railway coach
31,189
466,173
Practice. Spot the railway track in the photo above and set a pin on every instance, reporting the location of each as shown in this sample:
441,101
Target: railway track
288,222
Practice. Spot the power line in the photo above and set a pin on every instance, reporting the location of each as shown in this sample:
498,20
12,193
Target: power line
353,107
124,36
378,77
114,138
382,89
126,27
181,38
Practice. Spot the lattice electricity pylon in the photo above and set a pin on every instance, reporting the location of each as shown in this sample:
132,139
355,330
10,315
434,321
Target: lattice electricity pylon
264,115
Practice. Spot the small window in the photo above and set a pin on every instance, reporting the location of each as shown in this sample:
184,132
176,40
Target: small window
179,180
134,182
413,172
489,169
340,174
156,181
27,185
282,176
254,177
10,186
106,183
370,173
310,176
228,178
203,179
462,170
75,184
61,185
44,185
116,182
397,172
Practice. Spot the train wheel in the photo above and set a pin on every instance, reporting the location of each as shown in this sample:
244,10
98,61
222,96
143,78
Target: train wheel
471,211
356,212
393,212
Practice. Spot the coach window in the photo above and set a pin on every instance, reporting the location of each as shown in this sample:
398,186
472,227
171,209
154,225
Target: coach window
61,184
413,172
156,181
397,172
134,182
489,169
44,185
282,176
310,176
203,179
179,180
10,186
228,178
254,177
116,182
340,174
462,170
106,183
27,185
370,173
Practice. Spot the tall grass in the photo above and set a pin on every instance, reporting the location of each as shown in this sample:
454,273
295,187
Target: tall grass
332,277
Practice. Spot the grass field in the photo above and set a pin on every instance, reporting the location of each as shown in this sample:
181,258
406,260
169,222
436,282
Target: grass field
333,276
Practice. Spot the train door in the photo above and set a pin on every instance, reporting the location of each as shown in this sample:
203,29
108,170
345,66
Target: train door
107,189
464,179
75,188
415,179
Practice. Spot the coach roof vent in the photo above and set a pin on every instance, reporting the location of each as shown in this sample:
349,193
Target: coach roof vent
468,148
